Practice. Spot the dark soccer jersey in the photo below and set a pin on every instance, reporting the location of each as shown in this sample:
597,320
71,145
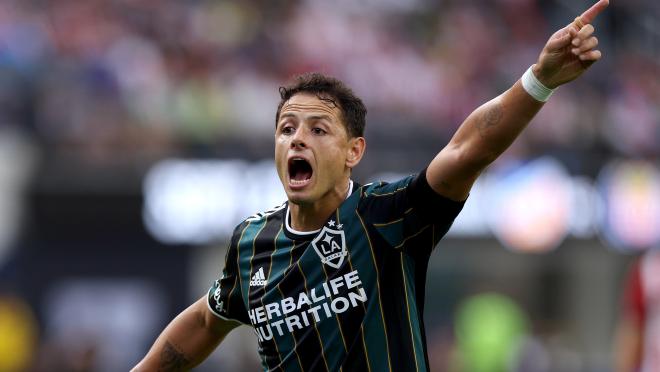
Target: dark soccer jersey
349,296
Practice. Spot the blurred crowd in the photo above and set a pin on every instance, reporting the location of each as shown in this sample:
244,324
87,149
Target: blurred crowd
106,80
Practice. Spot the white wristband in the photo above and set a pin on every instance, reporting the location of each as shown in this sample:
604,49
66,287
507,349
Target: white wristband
534,87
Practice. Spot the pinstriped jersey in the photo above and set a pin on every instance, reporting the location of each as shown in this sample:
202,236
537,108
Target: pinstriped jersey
349,296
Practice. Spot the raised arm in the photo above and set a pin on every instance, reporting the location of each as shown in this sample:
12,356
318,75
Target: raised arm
186,341
490,129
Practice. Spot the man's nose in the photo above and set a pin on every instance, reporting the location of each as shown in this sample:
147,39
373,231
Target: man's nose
298,139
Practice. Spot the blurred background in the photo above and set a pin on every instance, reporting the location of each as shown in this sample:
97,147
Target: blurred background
135,134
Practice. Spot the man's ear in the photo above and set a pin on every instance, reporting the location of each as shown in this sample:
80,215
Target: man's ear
355,151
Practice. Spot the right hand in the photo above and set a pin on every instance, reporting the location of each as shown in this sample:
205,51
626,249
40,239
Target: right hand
570,51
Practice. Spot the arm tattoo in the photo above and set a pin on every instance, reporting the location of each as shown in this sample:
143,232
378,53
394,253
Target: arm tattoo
490,118
172,360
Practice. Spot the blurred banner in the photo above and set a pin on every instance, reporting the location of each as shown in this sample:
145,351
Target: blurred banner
529,207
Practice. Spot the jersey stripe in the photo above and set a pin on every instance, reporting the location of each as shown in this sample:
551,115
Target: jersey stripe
275,251
382,224
364,344
404,274
238,261
257,292
393,299
373,338
230,253
254,291
307,343
388,193
315,325
290,340
251,236
351,325
411,236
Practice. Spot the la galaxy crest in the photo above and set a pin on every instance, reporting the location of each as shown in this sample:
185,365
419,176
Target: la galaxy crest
330,245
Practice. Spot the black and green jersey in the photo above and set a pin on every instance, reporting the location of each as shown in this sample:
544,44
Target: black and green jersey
349,296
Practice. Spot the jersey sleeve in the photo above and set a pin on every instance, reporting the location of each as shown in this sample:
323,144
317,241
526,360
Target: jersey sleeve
403,209
225,298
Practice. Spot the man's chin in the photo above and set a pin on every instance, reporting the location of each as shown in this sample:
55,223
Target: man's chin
301,195
299,199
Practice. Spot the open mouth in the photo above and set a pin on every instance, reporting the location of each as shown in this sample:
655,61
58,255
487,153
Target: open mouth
300,171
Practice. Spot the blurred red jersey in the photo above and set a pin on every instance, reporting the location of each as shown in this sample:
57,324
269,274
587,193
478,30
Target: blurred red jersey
643,303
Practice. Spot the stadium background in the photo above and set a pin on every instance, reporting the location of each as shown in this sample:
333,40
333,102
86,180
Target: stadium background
135,133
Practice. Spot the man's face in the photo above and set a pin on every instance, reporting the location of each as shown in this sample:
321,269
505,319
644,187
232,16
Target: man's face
313,153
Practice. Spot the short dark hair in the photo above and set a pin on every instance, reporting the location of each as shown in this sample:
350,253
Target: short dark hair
330,90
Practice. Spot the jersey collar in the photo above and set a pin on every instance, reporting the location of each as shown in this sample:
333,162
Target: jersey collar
306,235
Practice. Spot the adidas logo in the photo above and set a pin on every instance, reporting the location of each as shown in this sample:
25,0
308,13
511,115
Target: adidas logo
258,278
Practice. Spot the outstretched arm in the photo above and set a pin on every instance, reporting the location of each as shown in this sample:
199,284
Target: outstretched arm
491,128
186,341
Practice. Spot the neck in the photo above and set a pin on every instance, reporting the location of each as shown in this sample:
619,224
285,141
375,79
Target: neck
312,216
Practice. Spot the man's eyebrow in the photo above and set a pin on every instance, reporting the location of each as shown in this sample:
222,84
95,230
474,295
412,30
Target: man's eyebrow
287,115
321,117
311,117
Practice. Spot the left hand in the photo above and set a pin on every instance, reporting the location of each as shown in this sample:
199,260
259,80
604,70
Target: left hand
570,51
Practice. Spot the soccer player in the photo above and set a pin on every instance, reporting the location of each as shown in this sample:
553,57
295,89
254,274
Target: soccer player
333,279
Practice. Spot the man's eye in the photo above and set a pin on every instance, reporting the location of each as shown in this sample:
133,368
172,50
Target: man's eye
287,130
318,131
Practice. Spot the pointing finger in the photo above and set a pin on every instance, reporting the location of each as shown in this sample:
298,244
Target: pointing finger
590,14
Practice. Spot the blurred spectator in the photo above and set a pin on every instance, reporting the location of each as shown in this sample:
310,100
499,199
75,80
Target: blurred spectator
637,346
490,329
163,76
18,334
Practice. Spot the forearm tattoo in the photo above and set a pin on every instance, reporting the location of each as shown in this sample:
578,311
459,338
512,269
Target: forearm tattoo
490,118
173,360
